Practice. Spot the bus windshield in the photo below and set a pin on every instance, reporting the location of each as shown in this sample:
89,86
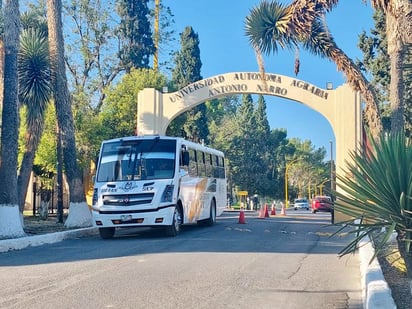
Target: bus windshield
137,160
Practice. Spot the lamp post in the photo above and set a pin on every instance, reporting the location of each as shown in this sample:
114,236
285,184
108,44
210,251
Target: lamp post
286,180
332,183
321,186
329,86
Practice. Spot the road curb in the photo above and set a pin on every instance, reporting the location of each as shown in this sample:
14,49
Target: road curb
38,240
376,293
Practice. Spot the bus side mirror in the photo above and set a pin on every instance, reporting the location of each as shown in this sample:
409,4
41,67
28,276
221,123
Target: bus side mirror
185,158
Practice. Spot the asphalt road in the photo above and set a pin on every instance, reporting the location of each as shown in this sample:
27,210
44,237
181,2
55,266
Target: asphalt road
278,262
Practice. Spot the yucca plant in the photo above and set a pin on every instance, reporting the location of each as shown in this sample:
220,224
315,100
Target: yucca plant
376,192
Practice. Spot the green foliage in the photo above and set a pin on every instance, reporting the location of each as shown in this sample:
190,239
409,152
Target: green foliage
166,36
118,116
376,63
309,171
377,192
46,152
264,29
35,18
34,73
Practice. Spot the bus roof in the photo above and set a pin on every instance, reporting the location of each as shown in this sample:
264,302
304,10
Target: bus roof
180,140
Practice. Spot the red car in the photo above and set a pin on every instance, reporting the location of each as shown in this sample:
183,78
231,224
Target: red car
321,203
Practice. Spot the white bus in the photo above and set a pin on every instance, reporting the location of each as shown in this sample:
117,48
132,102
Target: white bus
157,181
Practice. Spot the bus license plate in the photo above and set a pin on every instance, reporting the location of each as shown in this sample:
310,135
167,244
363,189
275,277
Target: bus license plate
125,218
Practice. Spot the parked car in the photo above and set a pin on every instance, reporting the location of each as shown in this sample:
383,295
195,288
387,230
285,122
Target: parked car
301,203
321,203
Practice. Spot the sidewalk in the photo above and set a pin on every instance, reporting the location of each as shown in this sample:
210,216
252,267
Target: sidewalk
376,293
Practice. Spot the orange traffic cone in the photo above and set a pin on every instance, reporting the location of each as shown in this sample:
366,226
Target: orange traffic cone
283,212
273,212
266,211
262,212
242,217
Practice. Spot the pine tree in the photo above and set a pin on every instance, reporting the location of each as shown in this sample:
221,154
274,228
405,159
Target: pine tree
243,151
262,133
187,60
135,34
376,63
262,123
186,71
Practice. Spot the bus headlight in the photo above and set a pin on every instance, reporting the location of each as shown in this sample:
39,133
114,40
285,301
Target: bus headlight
167,195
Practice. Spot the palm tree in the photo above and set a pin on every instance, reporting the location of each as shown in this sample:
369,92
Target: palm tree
300,24
35,90
10,221
399,36
79,214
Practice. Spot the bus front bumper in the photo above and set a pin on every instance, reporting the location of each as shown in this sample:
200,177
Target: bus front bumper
159,217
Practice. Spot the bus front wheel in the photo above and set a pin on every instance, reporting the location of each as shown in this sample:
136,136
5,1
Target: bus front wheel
174,229
106,232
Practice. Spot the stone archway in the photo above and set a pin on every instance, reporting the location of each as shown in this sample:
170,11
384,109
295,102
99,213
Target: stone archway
341,106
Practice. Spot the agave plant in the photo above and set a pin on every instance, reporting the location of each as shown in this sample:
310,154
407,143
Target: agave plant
377,195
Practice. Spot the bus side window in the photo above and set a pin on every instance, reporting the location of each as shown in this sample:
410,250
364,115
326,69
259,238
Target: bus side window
184,158
215,166
222,168
201,163
209,168
192,163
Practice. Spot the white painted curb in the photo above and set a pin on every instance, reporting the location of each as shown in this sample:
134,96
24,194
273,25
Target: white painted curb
376,293
38,240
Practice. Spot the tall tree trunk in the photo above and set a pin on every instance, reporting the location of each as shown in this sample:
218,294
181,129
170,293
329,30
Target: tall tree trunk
10,221
399,35
79,214
1,71
396,91
33,136
1,64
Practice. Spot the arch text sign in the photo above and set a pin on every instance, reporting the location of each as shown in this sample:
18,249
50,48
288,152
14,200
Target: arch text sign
248,82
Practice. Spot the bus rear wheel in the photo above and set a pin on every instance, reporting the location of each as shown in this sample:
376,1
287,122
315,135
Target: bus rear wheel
106,232
212,218
174,229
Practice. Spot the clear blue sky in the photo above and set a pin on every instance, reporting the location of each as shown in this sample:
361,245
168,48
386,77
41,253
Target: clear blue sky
224,48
